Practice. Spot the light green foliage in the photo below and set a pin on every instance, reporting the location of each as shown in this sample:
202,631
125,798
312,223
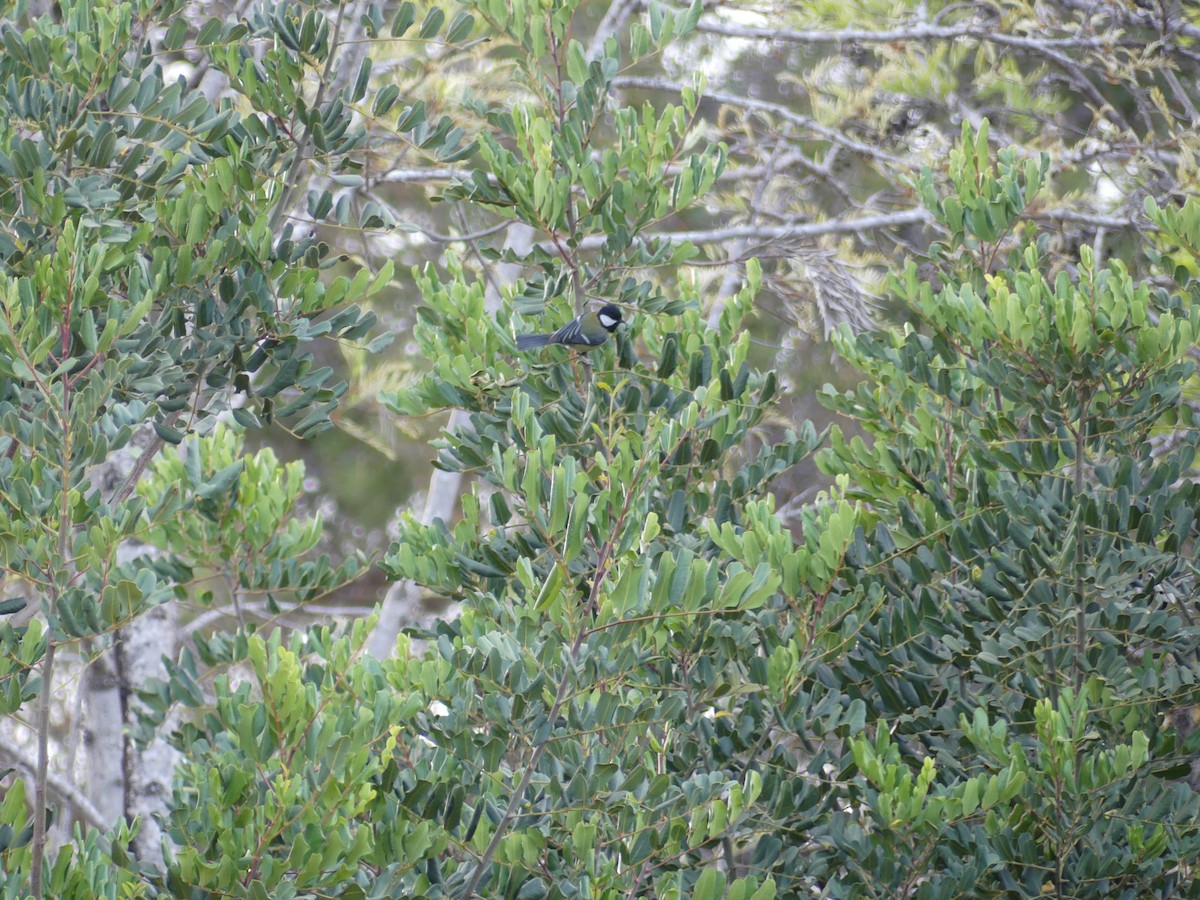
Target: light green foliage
567,163
92,865
295,793
1181,238
617,547
597,615
228,518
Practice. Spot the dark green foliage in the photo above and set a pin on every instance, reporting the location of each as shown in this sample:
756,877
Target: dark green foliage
1036,549
966,685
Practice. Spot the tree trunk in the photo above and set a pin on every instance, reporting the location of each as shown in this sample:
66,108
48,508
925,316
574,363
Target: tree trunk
103,739
140,648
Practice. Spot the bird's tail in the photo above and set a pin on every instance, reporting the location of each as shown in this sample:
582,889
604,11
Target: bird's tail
529,341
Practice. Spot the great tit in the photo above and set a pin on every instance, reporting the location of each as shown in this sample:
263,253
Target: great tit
588,330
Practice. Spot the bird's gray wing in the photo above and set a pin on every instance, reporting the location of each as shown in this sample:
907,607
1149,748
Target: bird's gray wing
572,333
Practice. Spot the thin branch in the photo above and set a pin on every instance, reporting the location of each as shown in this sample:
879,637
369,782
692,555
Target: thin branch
569,664
1045,47
424,174
1082,217
526,776
291,182
774,109
41,772
1130,14
768,233
612,23
915,216
732,275
260,610
495,288
436,237
61,786
139,466
435,175
58,588
1181,95
1079,216
894,35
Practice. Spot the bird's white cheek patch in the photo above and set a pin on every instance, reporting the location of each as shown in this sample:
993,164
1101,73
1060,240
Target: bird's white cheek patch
607,322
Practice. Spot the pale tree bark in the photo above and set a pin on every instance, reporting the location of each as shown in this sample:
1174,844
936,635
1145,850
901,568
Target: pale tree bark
114,780
402,604
103,741
141,648
123,781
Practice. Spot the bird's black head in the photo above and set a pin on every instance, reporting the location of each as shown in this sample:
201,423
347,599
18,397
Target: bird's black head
609,316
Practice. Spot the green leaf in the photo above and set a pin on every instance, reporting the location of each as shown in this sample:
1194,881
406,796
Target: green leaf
405,16
710,885
433,22
385,100
168,433
460,28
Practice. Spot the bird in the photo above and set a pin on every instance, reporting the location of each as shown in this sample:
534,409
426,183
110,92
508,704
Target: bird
591,329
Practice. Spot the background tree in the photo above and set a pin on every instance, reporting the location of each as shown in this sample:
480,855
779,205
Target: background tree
830,110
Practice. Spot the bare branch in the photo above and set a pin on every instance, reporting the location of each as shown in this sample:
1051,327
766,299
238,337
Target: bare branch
775,109
261,610
612,23
893,35
733,274
1046,47
769,233
61,786
1130,14
423,175
293,177
435,175
1084,218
